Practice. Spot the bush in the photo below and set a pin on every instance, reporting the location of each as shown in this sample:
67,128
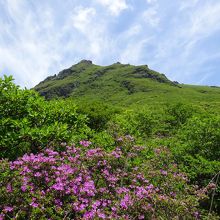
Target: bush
177,115
201,136
98,114
197,148
138,124
90,183
27,121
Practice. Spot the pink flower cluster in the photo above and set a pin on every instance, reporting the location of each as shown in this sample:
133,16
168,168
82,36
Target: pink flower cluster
80,183
85,143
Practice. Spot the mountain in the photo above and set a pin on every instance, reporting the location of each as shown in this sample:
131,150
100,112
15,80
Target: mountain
122,84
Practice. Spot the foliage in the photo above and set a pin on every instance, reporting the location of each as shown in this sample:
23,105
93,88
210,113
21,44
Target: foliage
27,121
139,124
198,151
84,182
98,114
112,101
177,114
202,136
197,146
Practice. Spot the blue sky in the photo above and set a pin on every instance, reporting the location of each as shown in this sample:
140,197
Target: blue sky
180,38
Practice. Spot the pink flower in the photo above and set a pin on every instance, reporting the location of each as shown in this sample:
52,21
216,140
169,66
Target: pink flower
101,215
37,174
58,202
34,204
85,143
121,190
94,152
96,204
9,188
23,188
129,137
89,188
116,154
2,216
58,186
163,172
211,186
126,202
196,214
8,209
120,139
89,215
141,192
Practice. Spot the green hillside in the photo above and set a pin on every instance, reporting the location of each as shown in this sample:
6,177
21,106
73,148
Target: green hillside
123,99
124,85
130,128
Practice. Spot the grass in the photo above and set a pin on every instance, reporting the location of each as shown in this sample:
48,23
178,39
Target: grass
125,85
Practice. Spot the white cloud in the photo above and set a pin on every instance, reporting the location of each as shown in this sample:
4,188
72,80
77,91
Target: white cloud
179,51
82,18
205,20
114,6
133,53
151,17
30,55
40,39
186,4
133,31
39,47
151,1
94,30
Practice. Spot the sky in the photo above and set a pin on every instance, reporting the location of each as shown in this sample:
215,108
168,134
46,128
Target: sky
180,38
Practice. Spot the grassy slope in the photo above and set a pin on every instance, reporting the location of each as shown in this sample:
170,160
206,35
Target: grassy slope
125,85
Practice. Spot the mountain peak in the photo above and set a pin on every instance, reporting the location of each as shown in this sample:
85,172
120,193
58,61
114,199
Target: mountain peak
85,79
88,62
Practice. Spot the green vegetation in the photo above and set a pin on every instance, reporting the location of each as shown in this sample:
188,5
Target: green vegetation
28,122
177,125
126,86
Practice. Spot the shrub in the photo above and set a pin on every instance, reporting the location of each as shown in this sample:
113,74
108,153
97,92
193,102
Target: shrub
201,136
98,114
197,150
138,124
197,146
27,121
90,183
177,114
